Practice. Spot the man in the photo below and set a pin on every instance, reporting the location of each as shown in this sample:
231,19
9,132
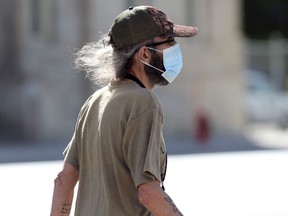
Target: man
117,152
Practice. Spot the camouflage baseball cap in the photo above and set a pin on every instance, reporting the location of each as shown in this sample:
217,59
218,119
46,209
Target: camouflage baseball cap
141,23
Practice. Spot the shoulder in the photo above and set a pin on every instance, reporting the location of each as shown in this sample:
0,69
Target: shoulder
144,99
143,96
130,92
91,101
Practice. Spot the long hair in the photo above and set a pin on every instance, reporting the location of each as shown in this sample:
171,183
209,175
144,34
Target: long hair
102,63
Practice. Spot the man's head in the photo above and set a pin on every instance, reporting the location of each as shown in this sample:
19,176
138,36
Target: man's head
138,24
139,41
147,31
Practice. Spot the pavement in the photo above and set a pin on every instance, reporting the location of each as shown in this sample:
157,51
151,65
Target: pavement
253,138
29,152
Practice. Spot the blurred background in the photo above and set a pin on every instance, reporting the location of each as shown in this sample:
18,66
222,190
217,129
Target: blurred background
231,98
235,70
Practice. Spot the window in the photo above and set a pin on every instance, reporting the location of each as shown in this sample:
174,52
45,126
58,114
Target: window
190,12
44,15
138,2
36,18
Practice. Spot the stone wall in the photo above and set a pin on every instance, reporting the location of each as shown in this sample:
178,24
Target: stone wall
50,92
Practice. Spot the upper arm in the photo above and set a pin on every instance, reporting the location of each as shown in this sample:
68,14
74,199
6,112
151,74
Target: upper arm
71,170
68,176
149,191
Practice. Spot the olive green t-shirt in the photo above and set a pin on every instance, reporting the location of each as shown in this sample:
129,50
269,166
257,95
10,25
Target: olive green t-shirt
117,146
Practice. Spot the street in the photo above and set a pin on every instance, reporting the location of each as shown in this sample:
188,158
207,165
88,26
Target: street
251,183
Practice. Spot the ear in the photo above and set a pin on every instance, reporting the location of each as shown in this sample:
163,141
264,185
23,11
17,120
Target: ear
144,54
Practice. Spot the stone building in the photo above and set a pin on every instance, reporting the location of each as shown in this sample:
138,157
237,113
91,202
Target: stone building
41,93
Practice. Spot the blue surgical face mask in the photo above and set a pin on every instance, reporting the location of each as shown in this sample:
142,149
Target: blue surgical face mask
172,61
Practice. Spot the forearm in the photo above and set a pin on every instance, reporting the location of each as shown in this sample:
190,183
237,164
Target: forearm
174,209
163,206
157,201
63,191
62,202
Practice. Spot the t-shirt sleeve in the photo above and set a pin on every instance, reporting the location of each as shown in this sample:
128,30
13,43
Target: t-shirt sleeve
144,148
70,153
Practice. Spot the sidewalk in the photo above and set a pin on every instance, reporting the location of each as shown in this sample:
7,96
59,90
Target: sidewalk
215,144
254,140
29,152
254,137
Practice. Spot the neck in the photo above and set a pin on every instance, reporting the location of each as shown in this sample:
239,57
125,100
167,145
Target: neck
141,75
135,79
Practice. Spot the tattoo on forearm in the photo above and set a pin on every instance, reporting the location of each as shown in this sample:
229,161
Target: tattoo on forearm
174,207
66,208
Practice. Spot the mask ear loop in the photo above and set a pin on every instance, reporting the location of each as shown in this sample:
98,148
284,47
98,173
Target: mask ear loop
155,49
152,66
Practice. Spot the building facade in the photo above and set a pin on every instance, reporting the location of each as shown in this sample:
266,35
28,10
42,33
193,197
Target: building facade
40,102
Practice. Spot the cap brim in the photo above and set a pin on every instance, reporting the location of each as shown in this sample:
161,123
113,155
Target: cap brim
184,31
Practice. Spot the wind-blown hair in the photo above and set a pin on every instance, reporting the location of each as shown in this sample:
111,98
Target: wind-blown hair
102,63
